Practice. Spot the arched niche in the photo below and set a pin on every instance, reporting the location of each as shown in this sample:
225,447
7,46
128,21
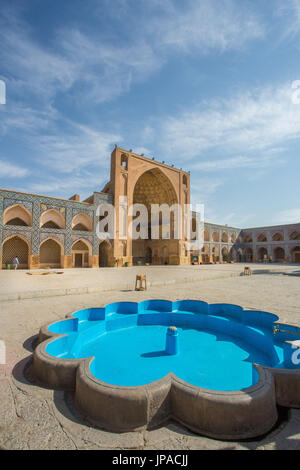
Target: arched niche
82,222
50,253
52,219
81,254
17,215
19,246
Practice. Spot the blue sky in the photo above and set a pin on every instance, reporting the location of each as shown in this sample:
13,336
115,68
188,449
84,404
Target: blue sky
205,85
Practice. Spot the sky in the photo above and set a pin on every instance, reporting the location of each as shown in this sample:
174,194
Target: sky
211,86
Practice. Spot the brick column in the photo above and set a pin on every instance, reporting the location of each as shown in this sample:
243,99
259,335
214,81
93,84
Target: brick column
286,246
210,255
34,262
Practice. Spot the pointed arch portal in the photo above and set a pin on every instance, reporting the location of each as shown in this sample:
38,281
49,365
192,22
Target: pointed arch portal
154,187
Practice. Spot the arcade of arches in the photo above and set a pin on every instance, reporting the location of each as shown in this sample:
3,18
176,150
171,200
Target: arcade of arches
59,233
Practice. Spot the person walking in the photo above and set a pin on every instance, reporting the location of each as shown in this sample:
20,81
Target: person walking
15,262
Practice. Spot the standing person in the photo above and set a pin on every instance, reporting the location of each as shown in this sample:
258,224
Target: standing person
15,262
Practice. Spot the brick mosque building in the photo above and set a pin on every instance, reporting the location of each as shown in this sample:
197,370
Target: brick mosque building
46,231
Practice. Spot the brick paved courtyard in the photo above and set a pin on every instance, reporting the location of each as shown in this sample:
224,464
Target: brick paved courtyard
32,417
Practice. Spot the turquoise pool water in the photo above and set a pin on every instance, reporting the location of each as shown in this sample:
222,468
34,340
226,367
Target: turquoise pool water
217,344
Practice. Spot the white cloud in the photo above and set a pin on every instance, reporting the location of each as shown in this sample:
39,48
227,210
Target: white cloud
235,162
289,12
31,68
59,144
206,25
84,185
10,170
141,149
17,117
77,150
107,70
289,216
102,71
202,188
255,121
214,214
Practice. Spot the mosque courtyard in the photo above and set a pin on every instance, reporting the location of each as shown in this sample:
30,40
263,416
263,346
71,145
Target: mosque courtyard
34,417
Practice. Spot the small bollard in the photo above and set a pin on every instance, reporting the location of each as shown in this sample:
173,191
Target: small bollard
172,341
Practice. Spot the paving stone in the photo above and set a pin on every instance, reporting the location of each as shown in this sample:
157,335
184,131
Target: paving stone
32,417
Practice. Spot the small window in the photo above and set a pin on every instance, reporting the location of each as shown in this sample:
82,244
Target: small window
124,162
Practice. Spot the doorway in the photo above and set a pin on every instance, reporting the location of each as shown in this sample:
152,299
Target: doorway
78,260
105,254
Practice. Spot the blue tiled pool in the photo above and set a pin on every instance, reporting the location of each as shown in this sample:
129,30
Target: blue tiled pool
217,343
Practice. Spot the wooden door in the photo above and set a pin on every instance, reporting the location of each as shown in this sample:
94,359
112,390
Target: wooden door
78,260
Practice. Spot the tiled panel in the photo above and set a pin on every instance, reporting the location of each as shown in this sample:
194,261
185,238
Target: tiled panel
11,202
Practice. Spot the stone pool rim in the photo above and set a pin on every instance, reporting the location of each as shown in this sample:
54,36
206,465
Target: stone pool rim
226,415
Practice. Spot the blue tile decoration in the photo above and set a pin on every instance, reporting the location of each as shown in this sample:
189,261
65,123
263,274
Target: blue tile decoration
82,211
12,202
37,204
44,235
7,233
82,236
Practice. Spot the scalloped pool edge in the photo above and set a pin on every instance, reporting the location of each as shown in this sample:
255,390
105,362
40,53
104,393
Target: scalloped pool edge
243,414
